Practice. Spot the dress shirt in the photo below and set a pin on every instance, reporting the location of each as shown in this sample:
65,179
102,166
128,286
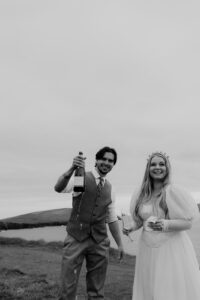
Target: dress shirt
111,214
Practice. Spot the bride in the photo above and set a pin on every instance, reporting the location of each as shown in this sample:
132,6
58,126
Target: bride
166,265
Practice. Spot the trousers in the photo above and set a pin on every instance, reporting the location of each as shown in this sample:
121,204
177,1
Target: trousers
96,256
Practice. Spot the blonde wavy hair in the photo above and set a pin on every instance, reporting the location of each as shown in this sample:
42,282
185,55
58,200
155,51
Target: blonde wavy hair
146,188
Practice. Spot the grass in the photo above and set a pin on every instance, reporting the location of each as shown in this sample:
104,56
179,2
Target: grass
30,270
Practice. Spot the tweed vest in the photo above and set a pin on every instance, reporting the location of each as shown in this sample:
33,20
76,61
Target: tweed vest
89,210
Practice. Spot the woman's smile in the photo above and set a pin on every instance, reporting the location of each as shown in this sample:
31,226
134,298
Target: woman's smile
158,168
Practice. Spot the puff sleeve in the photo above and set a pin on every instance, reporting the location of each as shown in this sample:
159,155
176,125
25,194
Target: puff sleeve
181,204
182,209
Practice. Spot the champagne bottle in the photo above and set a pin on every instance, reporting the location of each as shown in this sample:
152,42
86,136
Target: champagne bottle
79,178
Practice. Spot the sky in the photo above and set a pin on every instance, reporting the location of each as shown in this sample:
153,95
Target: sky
79,75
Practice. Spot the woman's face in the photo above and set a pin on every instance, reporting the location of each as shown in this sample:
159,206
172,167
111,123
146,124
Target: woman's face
158,169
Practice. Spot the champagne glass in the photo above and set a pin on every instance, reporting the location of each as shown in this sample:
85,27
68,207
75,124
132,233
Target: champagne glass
127,224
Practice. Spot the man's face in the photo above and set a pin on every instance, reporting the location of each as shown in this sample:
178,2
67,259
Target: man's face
105,164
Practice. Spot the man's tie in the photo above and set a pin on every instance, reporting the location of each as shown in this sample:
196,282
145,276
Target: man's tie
100,184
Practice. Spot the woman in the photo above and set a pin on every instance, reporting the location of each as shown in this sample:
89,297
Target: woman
166,265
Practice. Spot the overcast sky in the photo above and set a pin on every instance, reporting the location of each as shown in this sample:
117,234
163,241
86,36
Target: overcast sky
79,75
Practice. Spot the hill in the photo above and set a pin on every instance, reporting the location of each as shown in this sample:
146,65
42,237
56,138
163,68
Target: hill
54,217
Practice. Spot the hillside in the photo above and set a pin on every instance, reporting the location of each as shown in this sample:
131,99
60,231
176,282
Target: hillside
31,269
54,217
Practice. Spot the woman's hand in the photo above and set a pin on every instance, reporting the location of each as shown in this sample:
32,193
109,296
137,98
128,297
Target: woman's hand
127,231
127,224
157,226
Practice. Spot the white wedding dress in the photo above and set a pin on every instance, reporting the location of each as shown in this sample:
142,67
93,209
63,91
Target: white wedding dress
166,264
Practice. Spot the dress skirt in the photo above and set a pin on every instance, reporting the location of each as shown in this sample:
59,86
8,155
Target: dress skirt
166,268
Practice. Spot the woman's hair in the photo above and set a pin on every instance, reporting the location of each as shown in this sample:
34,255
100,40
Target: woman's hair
101,152
146,189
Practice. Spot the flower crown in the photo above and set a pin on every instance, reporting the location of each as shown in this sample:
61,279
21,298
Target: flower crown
158,153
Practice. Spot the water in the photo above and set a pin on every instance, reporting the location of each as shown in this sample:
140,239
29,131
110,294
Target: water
48,234
58,233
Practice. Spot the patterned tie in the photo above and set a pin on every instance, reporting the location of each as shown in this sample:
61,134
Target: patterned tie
100,184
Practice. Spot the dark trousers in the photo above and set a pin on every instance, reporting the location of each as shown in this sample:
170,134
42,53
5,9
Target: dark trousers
96,256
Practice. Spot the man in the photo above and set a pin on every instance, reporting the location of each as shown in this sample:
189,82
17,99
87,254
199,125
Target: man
87,233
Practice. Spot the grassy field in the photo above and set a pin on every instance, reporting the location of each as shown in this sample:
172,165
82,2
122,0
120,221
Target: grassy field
30,270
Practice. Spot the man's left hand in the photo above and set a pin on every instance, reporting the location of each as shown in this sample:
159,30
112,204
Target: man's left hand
120,253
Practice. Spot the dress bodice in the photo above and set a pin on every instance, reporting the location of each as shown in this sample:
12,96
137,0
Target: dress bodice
180,205
151,238
151,208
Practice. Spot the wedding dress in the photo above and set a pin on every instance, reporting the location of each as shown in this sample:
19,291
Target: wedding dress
166,264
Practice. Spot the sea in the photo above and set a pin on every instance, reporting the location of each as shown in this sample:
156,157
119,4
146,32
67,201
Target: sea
58,233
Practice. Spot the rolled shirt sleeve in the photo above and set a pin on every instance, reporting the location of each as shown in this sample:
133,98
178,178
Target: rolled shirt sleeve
70,187
111,213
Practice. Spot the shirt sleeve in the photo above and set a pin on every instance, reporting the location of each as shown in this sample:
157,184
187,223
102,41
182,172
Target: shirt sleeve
70,186
111,213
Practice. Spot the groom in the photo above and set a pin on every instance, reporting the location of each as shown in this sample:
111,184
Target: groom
87,233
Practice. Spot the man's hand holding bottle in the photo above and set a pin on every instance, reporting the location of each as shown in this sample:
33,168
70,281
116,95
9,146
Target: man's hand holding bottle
79,161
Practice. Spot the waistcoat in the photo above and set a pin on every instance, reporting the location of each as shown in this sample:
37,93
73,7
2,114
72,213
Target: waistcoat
89,211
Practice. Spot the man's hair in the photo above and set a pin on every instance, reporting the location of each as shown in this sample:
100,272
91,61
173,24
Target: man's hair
101,152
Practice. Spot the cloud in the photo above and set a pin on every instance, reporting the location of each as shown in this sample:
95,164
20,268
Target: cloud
78,75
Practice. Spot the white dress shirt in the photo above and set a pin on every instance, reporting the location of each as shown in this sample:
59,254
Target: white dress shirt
111,214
